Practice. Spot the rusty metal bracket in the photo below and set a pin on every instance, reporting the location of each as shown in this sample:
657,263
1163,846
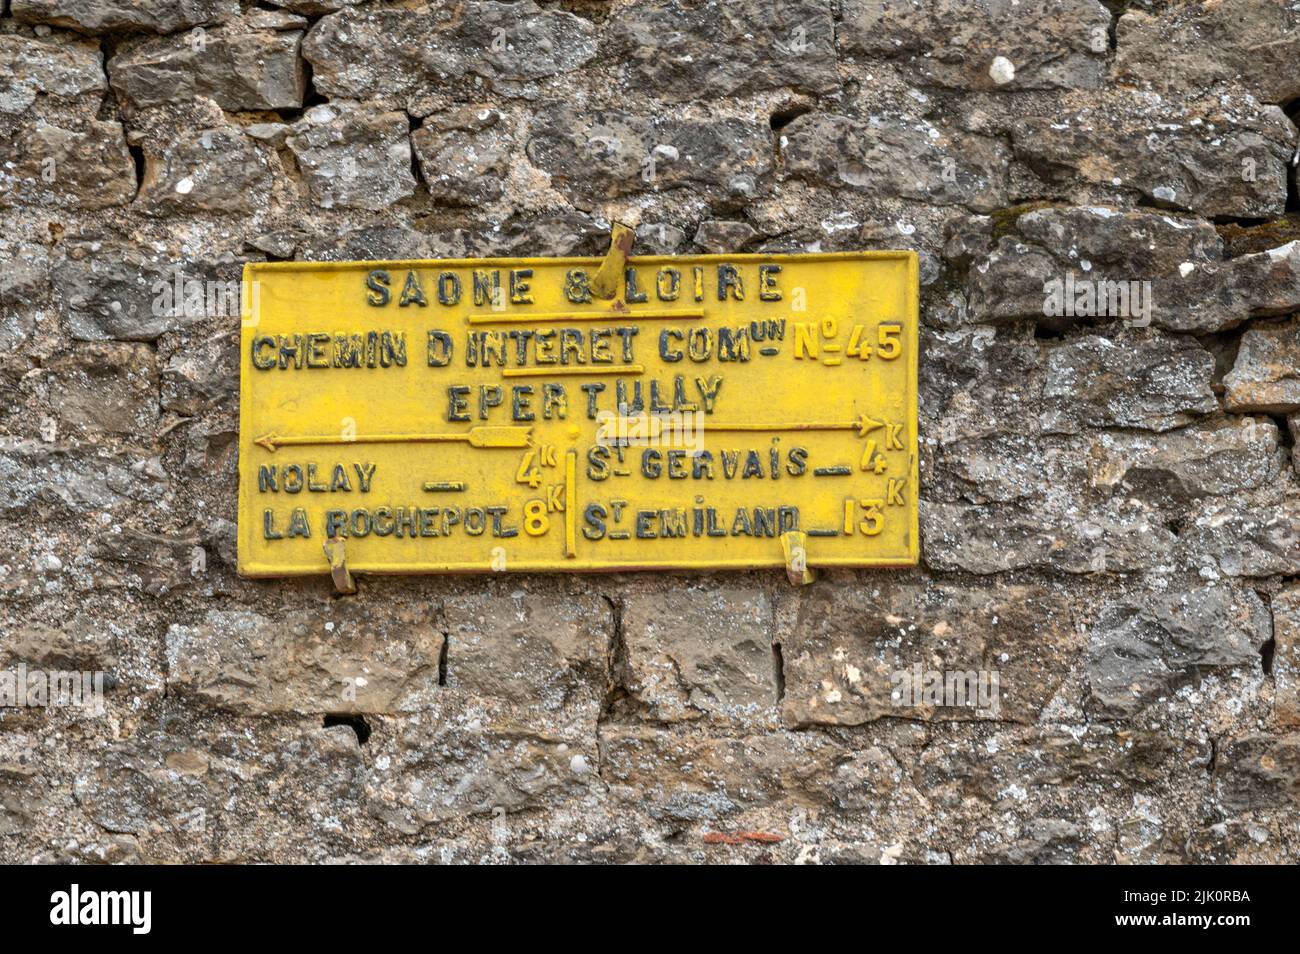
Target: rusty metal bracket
609,277
794,544
334,552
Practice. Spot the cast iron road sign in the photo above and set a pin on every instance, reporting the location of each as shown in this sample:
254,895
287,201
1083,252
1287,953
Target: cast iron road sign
493,414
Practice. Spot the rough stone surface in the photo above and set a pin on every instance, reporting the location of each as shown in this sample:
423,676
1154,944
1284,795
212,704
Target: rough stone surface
985,44
698,651
1150,383
1116,536
82,164
105,386
103,16
1260,771
677,51
319,659
353,157
205,170
1105,261
1139,649
240,68
24,291
721,237
1109,494
31,67
1225,456
1166,148
501,44
116,290
1266,282
1266,375
1286,655
464,155
72,477
897,155
543,659
612,153
845,645
1235,538
202,376
1248,44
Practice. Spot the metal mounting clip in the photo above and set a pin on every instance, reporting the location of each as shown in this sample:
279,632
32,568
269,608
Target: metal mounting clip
609,277
334,552
794,544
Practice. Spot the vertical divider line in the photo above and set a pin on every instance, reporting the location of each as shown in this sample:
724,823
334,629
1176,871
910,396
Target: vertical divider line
571,503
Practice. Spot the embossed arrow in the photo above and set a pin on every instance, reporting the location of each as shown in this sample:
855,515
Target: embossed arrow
654,425
485,435
864,426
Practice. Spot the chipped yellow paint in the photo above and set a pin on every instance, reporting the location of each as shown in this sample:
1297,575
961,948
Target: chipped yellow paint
778,411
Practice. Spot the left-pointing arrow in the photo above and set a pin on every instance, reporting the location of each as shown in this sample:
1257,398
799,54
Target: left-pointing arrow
486,435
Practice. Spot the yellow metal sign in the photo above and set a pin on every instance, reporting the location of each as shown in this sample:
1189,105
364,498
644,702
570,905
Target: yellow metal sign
489,414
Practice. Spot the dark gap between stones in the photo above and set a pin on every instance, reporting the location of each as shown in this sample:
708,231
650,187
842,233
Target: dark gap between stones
784,117
778,672
137,157
357,723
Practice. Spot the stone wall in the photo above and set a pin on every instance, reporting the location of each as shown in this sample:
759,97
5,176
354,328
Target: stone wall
1110,506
